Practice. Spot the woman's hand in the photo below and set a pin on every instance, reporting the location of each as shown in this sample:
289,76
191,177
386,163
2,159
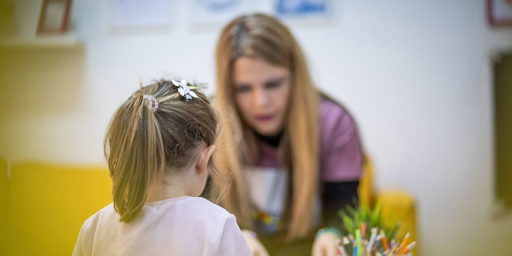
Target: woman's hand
325,245
257,248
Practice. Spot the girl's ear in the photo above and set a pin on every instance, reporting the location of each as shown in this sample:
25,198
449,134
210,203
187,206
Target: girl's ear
204,157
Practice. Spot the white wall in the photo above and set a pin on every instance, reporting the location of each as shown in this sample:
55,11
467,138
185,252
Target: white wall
415,74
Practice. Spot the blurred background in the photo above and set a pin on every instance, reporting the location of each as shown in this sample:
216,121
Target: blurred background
421,78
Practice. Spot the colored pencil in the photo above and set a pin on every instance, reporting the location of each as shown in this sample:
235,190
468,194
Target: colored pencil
384,240
410,247
359,244
404,244
372,239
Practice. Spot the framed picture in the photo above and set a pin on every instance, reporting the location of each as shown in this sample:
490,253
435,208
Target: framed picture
302,8
54,16
219,12
499,12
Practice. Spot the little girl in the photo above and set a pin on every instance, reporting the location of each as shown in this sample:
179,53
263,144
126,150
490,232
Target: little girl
158,147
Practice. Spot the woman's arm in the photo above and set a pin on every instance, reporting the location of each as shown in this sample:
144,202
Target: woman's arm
336,196
341,161
341,167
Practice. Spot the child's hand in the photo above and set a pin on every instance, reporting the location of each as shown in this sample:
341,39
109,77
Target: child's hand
257,248
325,245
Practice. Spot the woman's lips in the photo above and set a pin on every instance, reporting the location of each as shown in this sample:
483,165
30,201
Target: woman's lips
264,118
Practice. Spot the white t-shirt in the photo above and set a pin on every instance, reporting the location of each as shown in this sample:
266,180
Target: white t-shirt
178,226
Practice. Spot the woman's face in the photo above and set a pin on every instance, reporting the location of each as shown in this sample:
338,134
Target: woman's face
261,94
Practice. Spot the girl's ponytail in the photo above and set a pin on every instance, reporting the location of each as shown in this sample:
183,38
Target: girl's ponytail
135,154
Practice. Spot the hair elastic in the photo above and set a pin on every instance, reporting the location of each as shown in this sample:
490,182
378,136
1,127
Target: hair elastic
154,102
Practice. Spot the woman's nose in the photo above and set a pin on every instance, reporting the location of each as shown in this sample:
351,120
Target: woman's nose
260,98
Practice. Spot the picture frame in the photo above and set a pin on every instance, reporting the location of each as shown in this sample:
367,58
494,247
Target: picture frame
303,8
53,18
208,13
499,13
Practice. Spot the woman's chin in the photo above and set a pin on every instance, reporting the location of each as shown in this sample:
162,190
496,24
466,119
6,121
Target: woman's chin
268,131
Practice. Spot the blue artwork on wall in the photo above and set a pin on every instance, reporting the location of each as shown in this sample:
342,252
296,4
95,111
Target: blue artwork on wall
301,7
218,5
211,12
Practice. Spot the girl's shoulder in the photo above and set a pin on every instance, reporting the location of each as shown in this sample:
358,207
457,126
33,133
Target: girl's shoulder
201,203
106,214
191,207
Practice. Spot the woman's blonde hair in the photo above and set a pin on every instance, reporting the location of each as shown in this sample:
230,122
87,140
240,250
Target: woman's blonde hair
264,37
153,132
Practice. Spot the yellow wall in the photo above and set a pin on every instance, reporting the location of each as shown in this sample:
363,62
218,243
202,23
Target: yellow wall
40,91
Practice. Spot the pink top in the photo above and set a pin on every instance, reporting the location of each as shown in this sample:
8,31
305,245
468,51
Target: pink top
341,155
341,160
177,226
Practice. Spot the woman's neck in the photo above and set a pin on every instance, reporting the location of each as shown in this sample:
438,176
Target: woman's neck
273,140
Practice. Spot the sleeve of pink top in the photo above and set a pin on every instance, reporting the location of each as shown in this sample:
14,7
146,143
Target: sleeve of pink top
341,152
232,241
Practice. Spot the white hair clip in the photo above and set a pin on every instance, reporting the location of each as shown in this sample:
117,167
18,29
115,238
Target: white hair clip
184,89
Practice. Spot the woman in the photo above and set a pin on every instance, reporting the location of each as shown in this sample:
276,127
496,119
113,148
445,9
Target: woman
294,154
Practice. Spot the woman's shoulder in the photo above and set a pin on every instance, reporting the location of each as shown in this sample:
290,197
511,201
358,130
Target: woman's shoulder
334,117
340,147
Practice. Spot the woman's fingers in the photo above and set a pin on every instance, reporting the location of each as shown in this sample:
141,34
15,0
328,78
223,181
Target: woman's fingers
324,245
256,247
330,250
259,250
262,252
315,251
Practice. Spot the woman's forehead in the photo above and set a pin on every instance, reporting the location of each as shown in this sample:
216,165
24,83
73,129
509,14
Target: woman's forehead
252,70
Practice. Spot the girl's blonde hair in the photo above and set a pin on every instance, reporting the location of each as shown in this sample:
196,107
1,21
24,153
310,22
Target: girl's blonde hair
141,145
264,37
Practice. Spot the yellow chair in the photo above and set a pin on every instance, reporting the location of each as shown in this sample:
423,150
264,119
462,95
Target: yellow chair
396,204
3,206
48,204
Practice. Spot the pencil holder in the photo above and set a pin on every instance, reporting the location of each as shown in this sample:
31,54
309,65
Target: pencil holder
367,233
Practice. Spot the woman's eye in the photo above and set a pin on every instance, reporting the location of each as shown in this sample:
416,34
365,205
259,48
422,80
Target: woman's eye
273,85
243,88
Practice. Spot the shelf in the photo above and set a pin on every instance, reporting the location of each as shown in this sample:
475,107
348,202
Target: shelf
47,41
